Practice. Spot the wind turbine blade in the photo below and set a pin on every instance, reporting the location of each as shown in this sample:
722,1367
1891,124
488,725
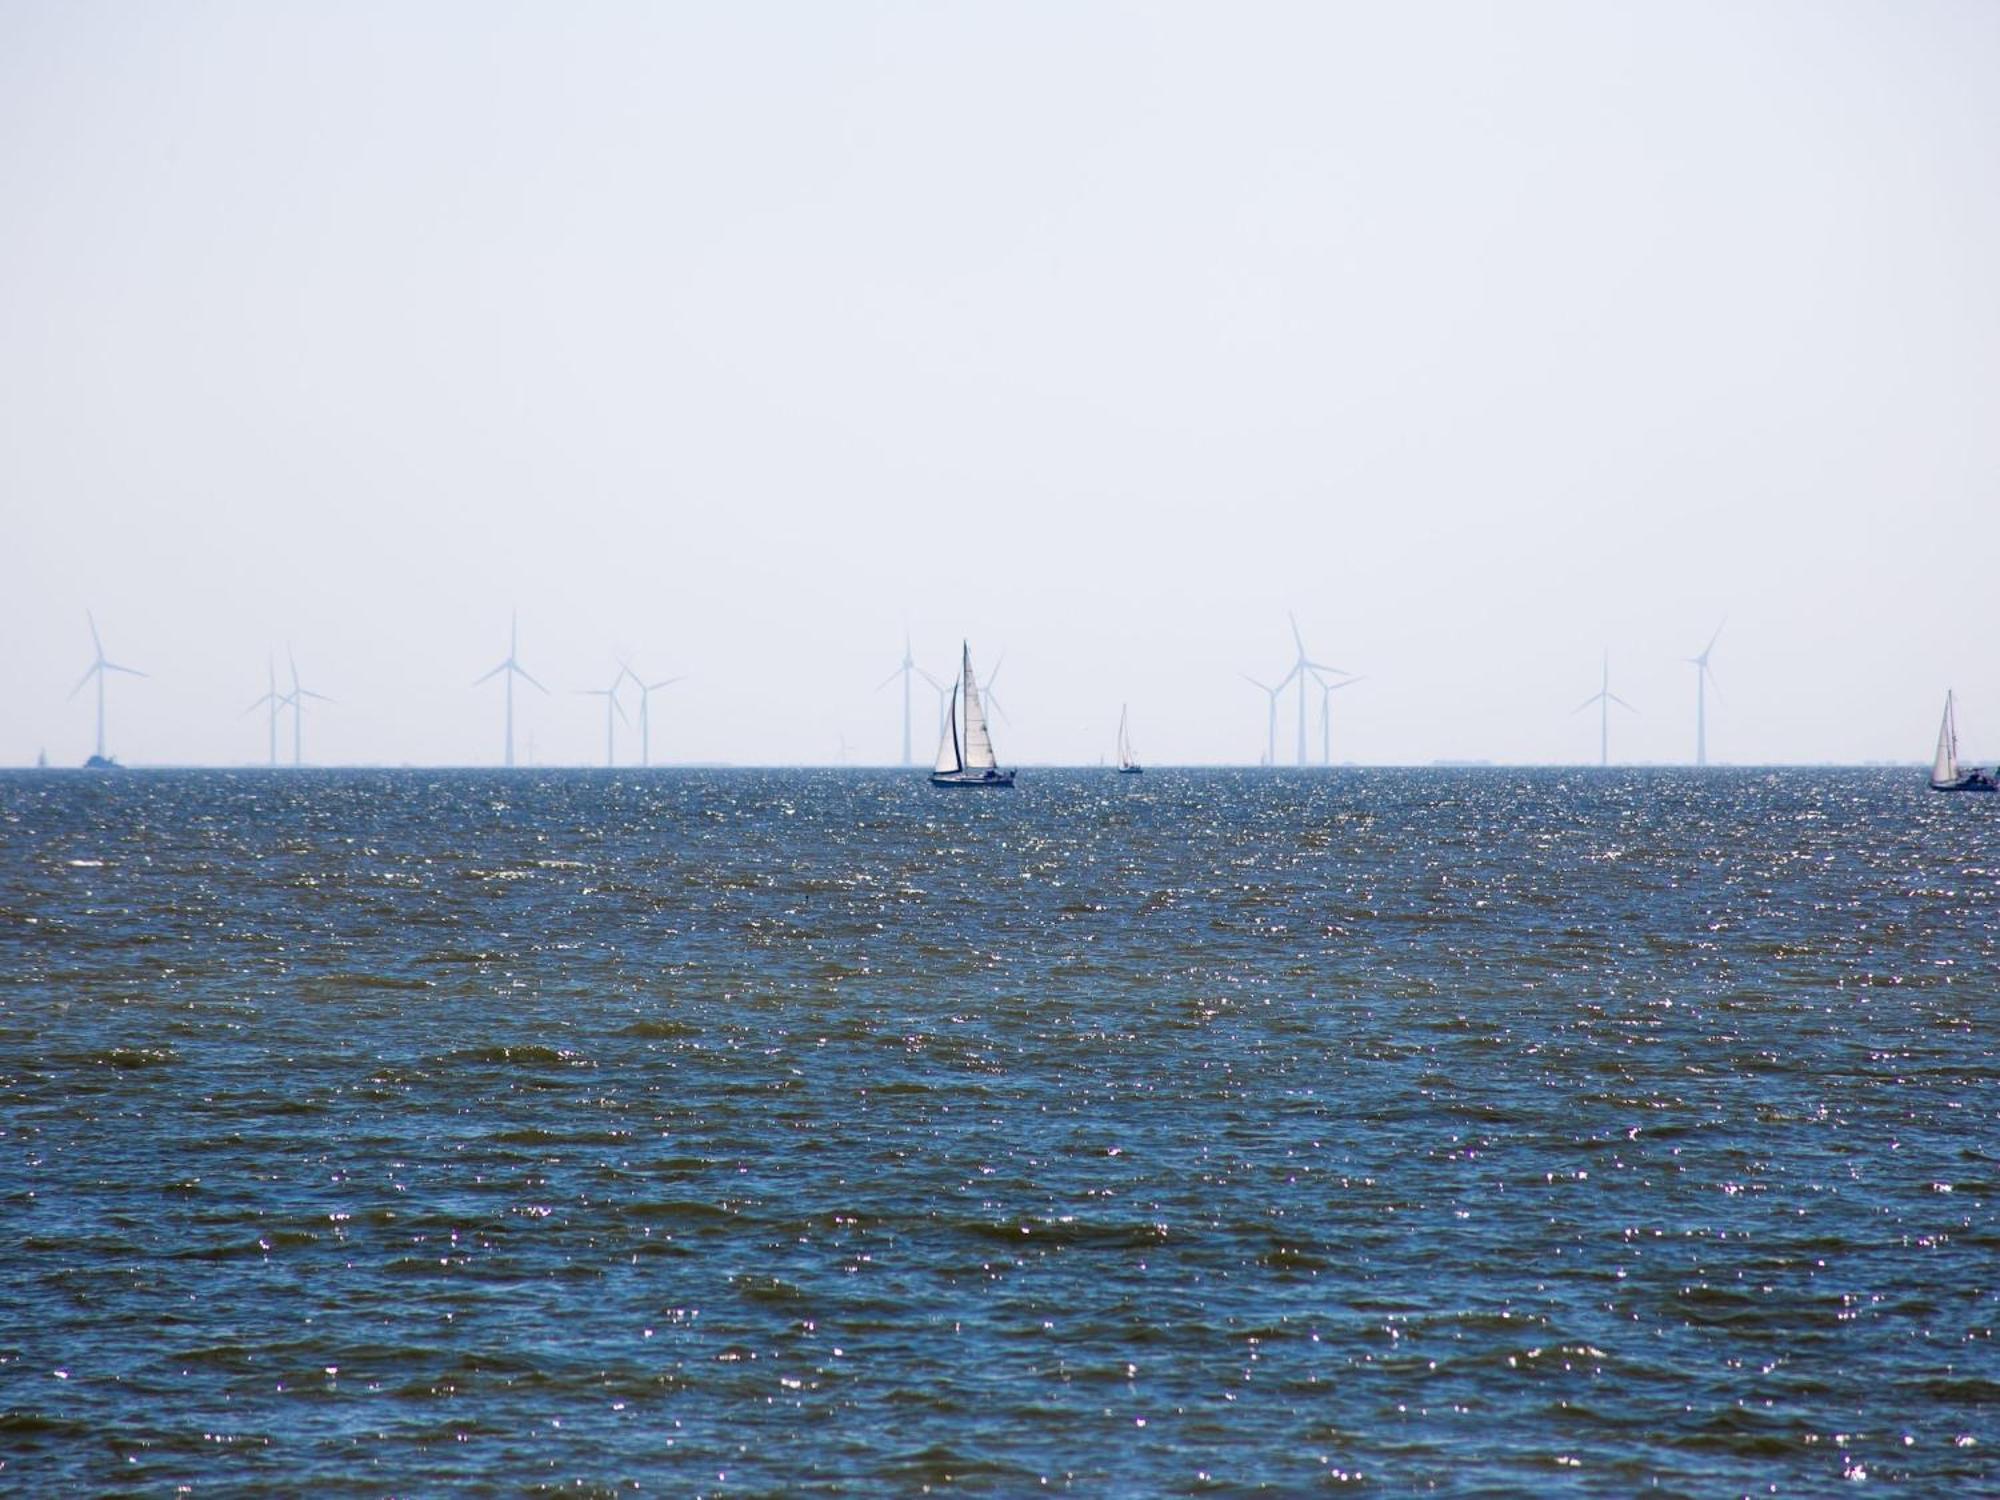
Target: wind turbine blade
112,666
1320,666
1334,687
309,693
84,679
1621,703
998,663
527,674
889,679
999,708
664,682
1285,681
1713,639
1261,687
492,674
930,679
1586,703
1297,639
96,644
622,715
255,706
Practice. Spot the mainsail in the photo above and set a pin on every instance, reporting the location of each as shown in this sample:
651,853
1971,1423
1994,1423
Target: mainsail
947,756
1124,739
978,750
1944,769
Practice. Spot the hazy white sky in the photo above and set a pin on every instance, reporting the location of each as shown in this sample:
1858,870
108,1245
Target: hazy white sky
734,337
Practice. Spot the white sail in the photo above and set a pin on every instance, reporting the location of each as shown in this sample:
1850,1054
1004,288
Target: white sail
947,756
1944,769
1124,738
978,743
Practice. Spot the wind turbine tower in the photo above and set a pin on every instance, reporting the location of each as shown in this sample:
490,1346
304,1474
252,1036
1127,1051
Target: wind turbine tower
296,697
908,669
1326,692
274,702
1604,698
646,691
98,667
611,706
512,669
1304,667
1271,715
1702,677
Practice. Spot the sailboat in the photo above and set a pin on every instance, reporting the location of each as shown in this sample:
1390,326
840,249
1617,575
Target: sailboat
969,761
1945,773
1126,765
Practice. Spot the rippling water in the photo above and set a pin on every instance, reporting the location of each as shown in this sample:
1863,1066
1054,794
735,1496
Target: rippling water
765,1132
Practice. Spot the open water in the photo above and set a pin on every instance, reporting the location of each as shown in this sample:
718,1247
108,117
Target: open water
777,1133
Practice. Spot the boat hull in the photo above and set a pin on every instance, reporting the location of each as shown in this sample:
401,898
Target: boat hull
1131,770
972,778
1972,781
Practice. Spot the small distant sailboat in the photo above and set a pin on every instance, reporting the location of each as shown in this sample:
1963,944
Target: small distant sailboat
1945,773
969,761
1127,766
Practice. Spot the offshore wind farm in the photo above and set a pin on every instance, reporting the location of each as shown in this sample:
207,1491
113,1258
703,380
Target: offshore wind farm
1304,677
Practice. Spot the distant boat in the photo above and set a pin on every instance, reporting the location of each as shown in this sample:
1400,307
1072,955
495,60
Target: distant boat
1945,773
1127,766
969,761
102,763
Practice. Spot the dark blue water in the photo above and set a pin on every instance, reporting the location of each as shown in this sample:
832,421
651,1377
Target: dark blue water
774,1132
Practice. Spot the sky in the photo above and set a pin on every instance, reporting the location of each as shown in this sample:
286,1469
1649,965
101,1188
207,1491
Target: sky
738,340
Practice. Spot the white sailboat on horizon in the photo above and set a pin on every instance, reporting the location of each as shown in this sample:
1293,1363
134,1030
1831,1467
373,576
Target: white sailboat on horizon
1945,773
1127,766
969,761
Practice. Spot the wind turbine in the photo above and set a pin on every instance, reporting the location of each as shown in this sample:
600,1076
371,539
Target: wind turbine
905,671
270,697
611,706
1702,677
1604,698
1302,668
646,691
296,697
1271,718
1326,692
98,667
512,669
